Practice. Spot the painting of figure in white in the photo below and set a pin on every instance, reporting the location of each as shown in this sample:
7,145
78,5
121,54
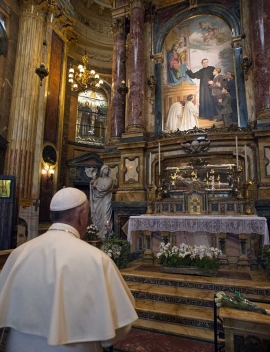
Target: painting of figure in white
191,49
173,121
190,115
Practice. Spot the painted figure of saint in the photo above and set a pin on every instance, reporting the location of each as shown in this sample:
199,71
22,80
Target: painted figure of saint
207,109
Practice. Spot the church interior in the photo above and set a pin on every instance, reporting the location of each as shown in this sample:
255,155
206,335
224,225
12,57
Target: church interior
87,83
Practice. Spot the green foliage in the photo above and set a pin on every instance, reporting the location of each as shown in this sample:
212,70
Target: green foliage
225,57
204,263
118,250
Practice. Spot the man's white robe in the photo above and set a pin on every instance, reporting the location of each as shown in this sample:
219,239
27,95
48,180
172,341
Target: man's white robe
65,291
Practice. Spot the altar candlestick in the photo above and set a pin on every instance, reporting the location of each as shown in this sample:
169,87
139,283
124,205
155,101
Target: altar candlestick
246,165
159,158
150,176
236,151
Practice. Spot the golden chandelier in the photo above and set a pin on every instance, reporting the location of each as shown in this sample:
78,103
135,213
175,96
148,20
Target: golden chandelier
84,79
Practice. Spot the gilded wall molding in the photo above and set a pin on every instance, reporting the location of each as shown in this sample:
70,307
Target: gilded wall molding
237,41
95,55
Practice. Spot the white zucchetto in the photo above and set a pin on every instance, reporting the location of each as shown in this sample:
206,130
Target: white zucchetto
67,198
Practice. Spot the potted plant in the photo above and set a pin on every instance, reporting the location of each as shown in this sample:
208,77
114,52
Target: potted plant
191,260
91,236
118,250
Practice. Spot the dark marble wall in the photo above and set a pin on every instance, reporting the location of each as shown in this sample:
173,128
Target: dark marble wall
260,43
121,213
52,107
51,125
7,67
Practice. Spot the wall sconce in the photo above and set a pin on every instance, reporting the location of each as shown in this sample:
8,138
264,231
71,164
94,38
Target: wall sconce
123,90
42,72
246,65
49,171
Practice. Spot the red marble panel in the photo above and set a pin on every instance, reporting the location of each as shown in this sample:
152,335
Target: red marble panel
119,75
136,56
52,108
260,27
72,118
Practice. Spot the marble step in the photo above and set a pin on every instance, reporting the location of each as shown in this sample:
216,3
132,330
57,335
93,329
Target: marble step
255,290
176,295
182,295
191,316
176,329
188,321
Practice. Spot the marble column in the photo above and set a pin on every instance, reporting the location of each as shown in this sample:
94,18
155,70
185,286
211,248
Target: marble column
118,76
135,113
260,43
159,60
24,105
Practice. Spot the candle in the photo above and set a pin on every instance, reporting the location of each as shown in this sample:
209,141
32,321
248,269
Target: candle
246,165
150,161
236,151
159,158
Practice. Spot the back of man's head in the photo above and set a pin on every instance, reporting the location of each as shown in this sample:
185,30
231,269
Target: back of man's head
65,204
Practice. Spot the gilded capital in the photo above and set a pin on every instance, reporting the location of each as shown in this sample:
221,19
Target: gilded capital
118,25
236,41
159,58
69,33
136,3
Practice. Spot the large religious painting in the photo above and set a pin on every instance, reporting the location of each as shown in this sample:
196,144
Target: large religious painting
198,81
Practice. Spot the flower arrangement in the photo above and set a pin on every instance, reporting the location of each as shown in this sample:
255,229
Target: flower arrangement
118,250
91,232
185,255
237,301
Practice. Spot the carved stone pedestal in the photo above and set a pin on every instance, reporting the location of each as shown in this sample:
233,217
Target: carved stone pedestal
243,264
243,261
223,262
148,257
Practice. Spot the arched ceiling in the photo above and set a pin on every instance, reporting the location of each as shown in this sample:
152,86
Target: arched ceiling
94,32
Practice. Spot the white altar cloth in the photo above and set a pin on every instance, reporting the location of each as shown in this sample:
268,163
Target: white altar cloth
211,224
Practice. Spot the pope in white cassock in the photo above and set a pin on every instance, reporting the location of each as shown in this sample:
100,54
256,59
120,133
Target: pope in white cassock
58,293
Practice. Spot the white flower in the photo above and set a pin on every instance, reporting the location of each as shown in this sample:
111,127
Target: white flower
167,253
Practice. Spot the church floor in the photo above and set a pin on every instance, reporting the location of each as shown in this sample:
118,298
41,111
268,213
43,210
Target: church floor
179,309
139,340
